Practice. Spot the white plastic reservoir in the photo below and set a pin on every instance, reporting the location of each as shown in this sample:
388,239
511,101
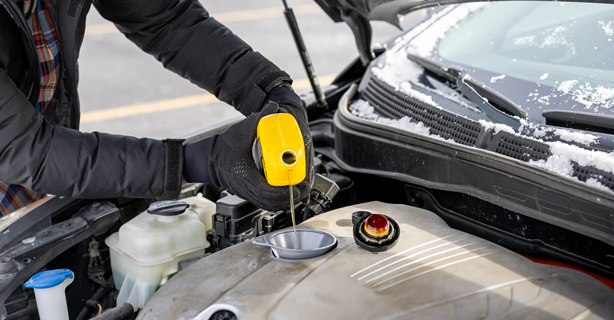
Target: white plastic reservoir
49,287
148,247
203,207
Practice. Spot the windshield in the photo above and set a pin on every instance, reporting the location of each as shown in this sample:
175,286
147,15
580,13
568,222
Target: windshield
541,55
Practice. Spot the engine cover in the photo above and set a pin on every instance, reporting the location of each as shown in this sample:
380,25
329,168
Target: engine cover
433,272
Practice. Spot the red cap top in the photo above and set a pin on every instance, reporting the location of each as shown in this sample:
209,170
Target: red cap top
377,225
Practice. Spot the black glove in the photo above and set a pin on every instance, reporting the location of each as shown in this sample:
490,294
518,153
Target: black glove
230,163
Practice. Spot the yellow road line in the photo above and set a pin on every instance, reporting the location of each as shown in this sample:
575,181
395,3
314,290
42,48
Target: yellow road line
224,17
176,103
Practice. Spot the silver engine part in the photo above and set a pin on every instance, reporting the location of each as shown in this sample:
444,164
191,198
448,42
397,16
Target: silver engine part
434,272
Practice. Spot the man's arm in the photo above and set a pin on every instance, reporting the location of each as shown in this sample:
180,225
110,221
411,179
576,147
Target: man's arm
56,160
181,35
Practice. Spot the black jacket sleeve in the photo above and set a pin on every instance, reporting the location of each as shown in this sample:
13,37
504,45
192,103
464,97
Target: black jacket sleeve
56,160
182,35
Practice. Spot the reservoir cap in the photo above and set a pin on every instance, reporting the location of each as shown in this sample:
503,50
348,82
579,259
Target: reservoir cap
49,278
168,208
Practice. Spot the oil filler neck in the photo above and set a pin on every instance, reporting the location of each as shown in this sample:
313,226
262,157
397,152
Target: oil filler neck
375,232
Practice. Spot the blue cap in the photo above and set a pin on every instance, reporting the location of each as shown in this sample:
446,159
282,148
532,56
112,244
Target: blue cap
48,279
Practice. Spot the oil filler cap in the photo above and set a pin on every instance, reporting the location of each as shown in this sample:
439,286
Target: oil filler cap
375,232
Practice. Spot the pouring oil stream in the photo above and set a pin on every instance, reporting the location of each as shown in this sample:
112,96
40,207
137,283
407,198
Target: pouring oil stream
297,244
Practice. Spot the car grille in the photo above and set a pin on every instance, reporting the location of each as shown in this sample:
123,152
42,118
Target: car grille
393,104
585,173
519,148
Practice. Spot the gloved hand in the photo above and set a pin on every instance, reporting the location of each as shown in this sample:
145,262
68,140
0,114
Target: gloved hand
230,163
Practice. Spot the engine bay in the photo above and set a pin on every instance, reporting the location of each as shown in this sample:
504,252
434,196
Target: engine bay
231,276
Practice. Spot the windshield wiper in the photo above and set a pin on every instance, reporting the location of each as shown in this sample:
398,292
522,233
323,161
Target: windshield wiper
434,68
497,99
477,92
574,119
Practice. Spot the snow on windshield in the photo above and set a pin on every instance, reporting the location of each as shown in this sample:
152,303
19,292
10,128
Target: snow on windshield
560,162
589,97
592,97
555,37
496,78
395,69
563,50
607,26
398,71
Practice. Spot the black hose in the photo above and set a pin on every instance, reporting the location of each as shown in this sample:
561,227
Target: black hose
321,121
96,297
122,312
83,313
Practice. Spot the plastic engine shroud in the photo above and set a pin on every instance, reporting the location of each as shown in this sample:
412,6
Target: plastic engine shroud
433,272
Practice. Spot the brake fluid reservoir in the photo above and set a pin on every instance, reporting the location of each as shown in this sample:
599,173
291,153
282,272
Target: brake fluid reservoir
203,207
148,248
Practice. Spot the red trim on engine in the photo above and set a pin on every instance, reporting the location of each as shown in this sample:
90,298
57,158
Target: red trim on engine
605,280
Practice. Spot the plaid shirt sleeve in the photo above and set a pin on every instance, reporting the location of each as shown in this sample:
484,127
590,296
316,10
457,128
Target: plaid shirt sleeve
47,46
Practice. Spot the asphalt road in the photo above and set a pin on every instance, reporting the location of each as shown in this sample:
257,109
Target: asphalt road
126,91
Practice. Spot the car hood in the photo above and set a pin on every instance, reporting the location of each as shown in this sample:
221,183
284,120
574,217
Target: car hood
387,10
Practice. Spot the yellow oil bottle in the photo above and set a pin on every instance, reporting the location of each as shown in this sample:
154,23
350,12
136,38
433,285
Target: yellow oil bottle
279,153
